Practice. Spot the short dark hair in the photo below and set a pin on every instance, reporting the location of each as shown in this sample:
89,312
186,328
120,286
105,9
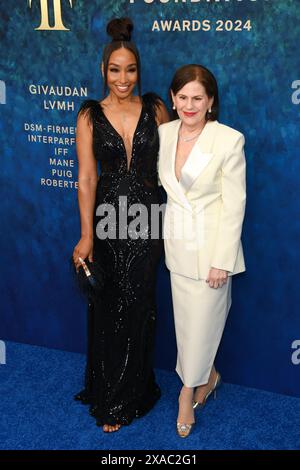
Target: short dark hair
120,30
191,72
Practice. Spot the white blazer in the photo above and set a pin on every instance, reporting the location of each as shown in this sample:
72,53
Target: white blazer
205,209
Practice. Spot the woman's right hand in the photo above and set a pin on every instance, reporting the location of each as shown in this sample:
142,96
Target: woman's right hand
83,249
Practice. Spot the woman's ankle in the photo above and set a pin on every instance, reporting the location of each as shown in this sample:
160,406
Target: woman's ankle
186,391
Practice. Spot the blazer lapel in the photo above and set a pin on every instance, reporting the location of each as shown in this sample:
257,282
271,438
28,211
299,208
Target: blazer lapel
199,157
169,165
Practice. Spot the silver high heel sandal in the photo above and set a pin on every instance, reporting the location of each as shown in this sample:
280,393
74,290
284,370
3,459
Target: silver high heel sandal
184,429
213,390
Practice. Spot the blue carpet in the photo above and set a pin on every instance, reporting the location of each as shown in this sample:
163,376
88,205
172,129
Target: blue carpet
37,411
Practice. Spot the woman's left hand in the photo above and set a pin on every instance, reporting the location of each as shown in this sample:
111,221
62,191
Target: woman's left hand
217,277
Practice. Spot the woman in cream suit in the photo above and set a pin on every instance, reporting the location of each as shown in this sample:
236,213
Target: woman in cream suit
202,169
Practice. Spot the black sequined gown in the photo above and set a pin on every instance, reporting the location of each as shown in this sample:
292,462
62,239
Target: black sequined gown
119,380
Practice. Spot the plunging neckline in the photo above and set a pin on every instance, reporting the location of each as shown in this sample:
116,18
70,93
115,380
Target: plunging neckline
176,148
119,135
189,154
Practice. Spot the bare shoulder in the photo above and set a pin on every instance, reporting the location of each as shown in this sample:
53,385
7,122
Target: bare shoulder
162,114
86,113
84,124
159,109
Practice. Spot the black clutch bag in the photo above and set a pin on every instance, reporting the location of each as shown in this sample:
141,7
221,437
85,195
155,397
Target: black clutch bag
89,277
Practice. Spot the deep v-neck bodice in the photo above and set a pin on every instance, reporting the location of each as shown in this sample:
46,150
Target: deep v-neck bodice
109,147
177,154
119,136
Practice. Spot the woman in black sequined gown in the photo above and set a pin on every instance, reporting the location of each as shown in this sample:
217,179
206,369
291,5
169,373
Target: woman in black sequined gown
120,134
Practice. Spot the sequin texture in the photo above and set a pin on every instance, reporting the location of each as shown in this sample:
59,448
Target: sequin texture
119,379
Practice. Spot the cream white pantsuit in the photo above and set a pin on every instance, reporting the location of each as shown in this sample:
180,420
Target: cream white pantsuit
202,229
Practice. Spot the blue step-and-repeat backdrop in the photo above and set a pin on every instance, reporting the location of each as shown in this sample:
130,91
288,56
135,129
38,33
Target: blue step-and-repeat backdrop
50,56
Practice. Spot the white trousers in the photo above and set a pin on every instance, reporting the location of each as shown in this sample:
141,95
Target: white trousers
200,314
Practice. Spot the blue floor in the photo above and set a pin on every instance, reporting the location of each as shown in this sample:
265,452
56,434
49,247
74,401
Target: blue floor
37,411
